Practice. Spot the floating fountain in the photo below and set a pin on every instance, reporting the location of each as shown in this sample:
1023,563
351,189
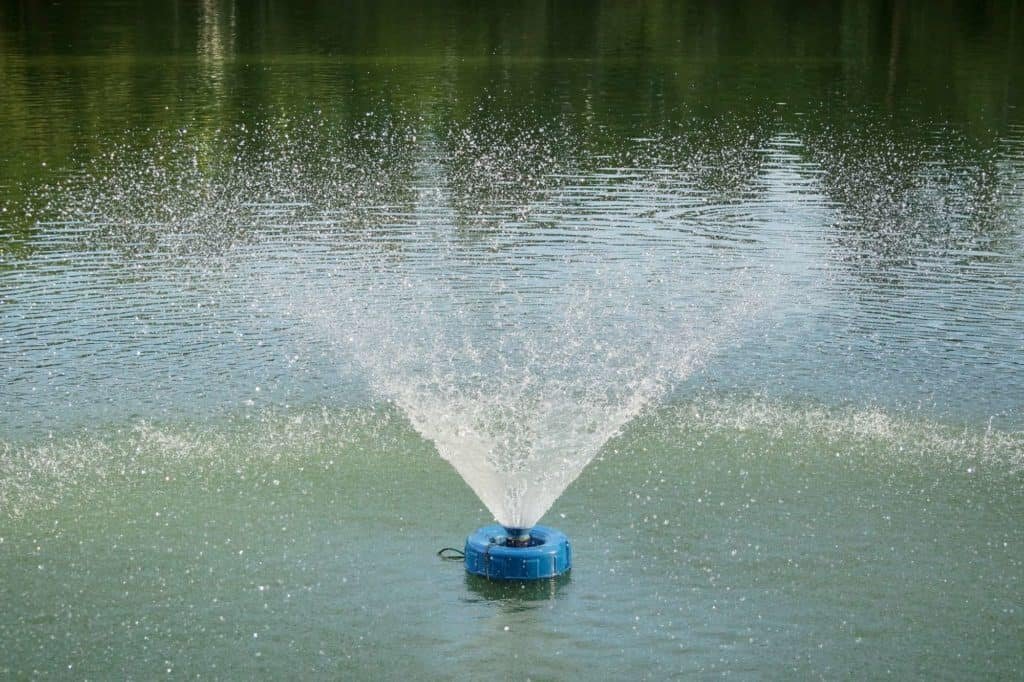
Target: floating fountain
520,397
517,323
501,553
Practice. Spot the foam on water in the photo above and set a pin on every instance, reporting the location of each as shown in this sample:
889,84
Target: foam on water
858,433
43,474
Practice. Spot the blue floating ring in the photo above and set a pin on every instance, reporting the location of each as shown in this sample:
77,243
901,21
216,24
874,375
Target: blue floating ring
547,555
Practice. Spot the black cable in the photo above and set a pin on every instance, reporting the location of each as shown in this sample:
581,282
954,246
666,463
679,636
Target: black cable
451,554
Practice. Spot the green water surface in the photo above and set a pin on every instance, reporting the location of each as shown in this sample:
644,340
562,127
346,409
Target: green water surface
196,483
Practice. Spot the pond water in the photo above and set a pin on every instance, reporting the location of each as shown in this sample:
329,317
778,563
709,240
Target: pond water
278,282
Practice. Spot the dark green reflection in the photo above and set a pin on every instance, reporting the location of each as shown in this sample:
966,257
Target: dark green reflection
76,74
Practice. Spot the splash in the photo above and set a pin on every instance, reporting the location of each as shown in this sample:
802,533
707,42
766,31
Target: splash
90,465
516,301
519,396
519,291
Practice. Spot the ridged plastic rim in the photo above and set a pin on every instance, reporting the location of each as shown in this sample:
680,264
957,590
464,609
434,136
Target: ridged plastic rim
487,557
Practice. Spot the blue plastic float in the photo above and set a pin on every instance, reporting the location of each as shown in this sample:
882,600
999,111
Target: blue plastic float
501,553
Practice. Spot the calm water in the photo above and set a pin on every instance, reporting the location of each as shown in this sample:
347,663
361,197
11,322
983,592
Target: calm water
231,236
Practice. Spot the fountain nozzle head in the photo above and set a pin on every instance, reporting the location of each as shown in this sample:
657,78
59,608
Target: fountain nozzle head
517,537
